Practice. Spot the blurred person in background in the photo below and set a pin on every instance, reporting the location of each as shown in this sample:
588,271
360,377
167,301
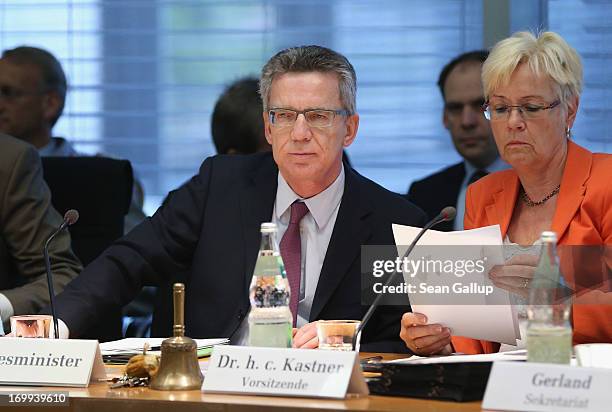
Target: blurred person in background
237,126
27,219
33,87
461,89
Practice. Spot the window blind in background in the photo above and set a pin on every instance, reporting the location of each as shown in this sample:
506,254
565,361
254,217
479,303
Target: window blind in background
585,24
144,75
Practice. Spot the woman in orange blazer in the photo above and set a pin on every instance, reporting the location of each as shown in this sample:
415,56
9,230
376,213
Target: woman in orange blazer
532,87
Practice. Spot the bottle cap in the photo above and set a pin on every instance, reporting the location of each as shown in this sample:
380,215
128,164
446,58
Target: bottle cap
548,236
268,227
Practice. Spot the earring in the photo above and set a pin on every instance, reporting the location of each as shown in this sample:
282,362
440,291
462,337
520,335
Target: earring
568,132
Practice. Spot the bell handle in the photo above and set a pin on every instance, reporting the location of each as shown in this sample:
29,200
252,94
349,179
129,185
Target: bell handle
179,309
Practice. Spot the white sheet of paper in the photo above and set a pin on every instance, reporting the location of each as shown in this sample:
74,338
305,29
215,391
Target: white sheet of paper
517,355
594,355
498,322
135,345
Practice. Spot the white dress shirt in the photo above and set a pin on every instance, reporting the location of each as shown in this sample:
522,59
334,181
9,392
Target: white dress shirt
316,229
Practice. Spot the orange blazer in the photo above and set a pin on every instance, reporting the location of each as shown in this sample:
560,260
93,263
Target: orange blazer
583,217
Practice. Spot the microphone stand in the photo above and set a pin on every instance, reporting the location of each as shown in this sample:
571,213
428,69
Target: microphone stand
70,218
50,280
447,213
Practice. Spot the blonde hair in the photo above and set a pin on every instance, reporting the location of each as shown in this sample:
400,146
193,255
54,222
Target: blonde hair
547,54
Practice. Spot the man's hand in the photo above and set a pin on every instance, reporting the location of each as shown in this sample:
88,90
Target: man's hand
516,275
306,336
423,339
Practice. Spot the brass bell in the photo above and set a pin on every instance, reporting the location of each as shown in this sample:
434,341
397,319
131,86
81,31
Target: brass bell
179,368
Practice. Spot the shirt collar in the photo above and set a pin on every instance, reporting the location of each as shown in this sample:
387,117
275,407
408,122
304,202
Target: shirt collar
57,146
321,206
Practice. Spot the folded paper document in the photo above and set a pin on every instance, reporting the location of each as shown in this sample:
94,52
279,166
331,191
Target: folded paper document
594,355
120,351
447,280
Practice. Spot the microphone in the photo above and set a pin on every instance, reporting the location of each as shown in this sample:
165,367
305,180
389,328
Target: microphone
70,218
446,214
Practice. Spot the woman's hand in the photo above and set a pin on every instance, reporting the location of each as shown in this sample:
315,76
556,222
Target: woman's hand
516,275
423,339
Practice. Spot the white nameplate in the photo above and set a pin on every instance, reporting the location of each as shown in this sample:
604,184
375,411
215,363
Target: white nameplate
284,372
50,362
518,386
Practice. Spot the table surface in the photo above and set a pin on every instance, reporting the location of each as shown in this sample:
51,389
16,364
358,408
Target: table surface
99,397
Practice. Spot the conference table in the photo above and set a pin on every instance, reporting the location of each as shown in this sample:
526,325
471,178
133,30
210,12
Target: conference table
100,397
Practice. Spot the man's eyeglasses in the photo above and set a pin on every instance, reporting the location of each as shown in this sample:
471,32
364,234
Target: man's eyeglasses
528,111
314,117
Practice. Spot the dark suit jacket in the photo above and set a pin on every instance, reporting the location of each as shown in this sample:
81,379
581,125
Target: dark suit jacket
211,227
435,192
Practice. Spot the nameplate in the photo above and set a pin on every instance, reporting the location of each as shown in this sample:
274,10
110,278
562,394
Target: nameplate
518,386
50,362
284,372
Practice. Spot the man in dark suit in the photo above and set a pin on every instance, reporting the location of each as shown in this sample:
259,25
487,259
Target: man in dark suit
211,225
461,89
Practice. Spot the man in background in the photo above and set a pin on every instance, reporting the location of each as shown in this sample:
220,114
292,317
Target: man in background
27,219
237,126
461,89
33,88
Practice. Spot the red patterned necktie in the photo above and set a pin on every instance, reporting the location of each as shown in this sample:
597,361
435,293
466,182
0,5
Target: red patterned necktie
291,252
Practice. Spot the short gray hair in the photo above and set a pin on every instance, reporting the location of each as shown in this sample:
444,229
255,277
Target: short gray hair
51,72
547,54
311,59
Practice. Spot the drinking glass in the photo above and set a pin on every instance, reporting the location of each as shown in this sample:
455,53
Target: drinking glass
337,334
31,326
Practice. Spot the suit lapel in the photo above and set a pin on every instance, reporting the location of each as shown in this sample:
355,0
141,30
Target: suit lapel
455,178
503,204
450,194
576,173
448,186
351,230
256,205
